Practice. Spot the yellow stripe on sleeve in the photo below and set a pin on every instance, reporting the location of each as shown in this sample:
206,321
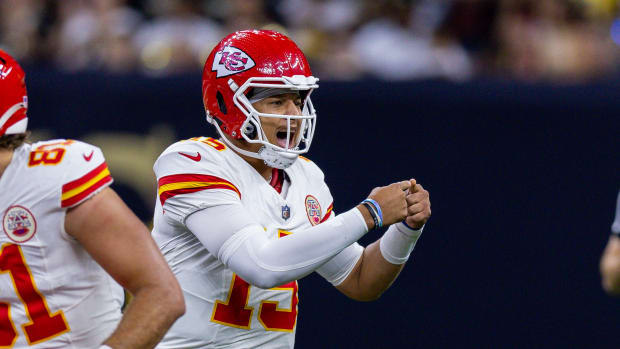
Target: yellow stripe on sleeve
73,192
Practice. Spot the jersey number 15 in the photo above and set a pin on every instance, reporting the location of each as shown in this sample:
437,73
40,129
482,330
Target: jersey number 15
235,311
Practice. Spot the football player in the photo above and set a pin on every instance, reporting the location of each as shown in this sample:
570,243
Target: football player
241,218
66,240
610,261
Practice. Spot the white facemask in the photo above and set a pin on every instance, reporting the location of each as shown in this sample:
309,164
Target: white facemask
273,155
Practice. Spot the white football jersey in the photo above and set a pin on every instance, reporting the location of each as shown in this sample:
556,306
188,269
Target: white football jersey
224,311
52,293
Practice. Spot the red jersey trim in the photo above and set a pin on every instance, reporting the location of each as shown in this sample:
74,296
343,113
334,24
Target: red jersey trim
172,185
79,189
328,213
90,175
103,182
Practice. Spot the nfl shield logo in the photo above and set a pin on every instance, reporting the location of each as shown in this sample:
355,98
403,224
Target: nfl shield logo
286,212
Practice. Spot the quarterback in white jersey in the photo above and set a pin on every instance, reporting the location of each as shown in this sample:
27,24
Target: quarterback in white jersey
241,218
203,172
65,236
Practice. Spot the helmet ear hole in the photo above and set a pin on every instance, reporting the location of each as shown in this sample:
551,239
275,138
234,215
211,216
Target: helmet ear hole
220,102
250,130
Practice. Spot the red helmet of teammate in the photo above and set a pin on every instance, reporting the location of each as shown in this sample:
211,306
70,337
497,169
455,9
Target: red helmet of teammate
258,63
13,96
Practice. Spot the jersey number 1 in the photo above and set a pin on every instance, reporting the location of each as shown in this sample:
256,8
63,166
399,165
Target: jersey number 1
42,325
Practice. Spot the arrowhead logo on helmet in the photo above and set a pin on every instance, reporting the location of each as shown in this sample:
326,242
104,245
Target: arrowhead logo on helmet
231,60
4,72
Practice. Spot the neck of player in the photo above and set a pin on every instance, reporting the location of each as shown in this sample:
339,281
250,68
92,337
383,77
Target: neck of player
258,164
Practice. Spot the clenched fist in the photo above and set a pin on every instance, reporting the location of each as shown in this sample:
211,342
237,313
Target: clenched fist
392,200
418,205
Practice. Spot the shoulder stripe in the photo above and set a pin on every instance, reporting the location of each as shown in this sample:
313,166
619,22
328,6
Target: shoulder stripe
102,168
77,190
172,185
328,212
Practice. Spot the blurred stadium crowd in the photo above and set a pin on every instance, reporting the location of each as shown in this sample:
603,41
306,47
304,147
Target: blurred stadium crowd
532,40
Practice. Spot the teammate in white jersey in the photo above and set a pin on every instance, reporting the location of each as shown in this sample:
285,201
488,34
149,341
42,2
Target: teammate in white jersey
610,260
66,237
241,218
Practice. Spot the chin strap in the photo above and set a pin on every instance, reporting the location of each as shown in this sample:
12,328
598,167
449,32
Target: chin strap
275,158
271,157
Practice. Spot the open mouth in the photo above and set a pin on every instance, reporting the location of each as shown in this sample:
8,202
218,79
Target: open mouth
281,139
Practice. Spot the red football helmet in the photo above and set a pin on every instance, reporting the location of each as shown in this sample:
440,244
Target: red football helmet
13,96
244,62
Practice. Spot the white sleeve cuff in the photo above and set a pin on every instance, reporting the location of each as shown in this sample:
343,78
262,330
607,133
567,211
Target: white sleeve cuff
398,242
361,217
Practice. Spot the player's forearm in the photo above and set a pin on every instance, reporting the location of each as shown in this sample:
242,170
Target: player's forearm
372,275
147,318
380,263
611,275
267,263
228,232
610,266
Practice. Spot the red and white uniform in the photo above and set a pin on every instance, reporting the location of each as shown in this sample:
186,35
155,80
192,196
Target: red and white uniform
52,293
224,311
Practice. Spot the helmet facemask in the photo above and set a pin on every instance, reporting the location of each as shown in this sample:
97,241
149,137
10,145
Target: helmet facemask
274,155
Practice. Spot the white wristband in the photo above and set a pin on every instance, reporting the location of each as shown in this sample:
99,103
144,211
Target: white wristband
398,242
105,347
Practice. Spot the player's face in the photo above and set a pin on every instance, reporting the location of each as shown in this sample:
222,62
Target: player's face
275,128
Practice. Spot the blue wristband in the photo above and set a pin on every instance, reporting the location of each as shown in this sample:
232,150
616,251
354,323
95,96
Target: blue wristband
376,204
378,210
373,213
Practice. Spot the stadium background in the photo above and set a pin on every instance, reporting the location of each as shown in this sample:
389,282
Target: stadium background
506,111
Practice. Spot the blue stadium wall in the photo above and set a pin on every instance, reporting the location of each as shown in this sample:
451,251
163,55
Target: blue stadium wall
523,180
